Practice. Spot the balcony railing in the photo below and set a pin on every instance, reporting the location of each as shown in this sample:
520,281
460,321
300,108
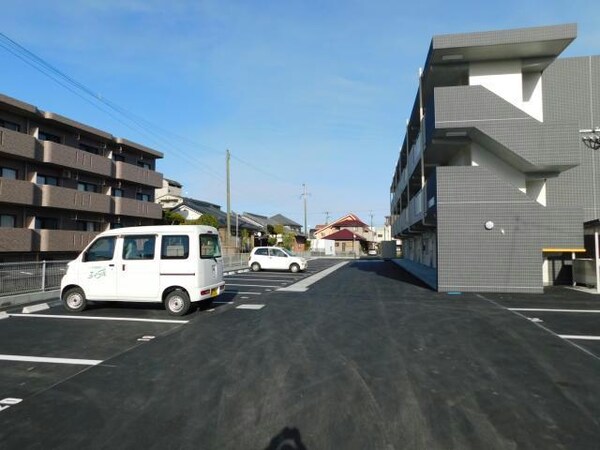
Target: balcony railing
72,158
17,192
17,144
64,240
72,199
19,240
137,208
138,175
419,206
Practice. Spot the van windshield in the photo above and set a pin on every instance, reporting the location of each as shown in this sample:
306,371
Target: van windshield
210,246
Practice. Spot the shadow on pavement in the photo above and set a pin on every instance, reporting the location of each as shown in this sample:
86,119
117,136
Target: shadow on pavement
287,439
389,270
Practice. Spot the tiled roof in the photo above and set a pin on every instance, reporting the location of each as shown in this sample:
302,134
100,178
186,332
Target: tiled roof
345,235
202,208
282,220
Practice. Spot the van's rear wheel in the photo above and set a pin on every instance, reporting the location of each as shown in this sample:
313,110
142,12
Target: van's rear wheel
74,300
294,268
255,267
177,302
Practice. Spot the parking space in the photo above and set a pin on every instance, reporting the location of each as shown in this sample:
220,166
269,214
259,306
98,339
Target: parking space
42,349
571,314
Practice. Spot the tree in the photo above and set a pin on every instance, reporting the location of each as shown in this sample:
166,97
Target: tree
288,240
205,219
172,218
278,229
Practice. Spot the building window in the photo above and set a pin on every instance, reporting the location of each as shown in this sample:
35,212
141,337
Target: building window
46,223
142,197
45,179
145,165
89,149
118,158
7,221
115,225
43,136
7,172
118,192
86,187
83,225
10,125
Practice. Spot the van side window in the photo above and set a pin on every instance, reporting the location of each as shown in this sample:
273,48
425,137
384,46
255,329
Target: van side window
138,247
101,250
209,246
175,247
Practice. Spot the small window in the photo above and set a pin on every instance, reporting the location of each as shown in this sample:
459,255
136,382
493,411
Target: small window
142,197
101,250
10,125
45,179
86,187
46,223
117,192
209,246
138,247
118,158
83,225
7,221
6,172
278,253
115,225
43,136
175,247
144,164
89,149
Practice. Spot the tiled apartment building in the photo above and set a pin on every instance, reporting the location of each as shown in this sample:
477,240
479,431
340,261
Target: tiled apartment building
62,182
497,187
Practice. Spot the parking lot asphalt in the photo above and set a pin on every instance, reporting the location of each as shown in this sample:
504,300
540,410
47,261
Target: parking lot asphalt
365,358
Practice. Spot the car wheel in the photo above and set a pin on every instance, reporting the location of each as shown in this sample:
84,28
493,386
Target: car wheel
177,302
255,267
294,268
74,300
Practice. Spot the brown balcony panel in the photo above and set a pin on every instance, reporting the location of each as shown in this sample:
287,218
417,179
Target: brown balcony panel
73,158
16,240
17,144
64,198
17,192
137,208
139,175
64,240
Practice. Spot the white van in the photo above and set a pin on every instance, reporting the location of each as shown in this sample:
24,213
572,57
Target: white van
171,264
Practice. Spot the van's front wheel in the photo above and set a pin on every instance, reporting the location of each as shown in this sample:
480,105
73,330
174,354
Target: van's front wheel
74,300
177,302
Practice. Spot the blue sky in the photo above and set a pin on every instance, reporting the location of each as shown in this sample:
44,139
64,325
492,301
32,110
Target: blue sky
313,92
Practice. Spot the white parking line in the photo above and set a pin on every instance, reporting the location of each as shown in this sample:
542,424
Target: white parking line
122,319
259,279
81,362
583,338
592,311
252,285
303,285
246,293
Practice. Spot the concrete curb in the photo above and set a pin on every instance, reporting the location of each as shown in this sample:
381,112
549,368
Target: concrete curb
27,299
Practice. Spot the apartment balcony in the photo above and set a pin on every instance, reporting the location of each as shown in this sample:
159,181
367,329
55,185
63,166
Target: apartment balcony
137,208
420,212
18,145
72,158
18,192
139,175
64,240
17,240
72,199
512,134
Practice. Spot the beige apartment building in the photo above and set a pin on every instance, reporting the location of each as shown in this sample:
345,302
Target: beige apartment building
63,182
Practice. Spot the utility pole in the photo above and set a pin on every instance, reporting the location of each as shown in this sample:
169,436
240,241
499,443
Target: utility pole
305,194
372,231
326,217
228,232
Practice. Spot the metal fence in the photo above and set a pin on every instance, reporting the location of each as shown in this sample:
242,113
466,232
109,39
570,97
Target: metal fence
27,277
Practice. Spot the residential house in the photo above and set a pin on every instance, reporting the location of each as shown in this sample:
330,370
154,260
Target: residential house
350,233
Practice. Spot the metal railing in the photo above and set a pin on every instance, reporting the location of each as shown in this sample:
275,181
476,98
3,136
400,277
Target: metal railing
27,277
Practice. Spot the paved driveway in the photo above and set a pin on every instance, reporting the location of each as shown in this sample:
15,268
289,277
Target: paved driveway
365,358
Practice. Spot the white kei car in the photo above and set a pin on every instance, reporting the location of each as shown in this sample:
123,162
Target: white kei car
275,258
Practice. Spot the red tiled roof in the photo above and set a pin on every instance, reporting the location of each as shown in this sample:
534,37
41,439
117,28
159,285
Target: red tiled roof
345,235
350,223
